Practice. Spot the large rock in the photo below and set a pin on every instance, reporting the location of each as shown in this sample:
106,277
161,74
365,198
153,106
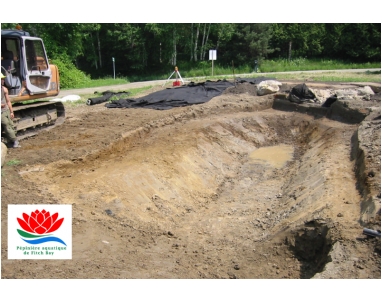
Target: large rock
321,95
268,87
362,93
4,150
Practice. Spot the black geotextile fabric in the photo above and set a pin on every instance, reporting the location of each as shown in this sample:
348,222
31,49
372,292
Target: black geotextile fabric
193,93
254,81
106,95
302,91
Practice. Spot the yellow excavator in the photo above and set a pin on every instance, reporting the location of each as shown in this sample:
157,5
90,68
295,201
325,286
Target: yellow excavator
29,79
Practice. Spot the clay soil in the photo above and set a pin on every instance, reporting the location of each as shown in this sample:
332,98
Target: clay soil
233,188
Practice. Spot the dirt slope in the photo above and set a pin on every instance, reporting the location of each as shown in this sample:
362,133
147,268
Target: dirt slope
239,187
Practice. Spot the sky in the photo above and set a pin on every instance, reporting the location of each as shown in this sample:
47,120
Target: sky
165,11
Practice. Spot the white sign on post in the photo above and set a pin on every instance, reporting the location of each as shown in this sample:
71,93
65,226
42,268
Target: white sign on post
212,58
212,54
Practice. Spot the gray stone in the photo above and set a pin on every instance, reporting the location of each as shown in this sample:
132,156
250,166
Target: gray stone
4,150
268,87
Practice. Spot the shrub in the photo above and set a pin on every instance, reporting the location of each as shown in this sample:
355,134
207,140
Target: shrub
70,76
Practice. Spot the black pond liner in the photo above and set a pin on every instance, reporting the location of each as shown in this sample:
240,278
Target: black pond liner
106,96
186,95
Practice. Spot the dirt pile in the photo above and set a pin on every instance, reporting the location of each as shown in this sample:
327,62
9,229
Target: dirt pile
239,187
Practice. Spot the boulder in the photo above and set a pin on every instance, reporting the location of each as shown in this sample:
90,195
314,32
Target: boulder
4,150
361,94
268,87
321,95
366,90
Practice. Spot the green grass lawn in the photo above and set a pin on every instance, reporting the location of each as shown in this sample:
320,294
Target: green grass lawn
303,64
204,70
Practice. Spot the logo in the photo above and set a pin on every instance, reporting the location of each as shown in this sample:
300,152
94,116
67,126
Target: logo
35,233
37,225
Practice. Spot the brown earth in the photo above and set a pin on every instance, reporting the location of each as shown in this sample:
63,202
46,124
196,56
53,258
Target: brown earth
242,187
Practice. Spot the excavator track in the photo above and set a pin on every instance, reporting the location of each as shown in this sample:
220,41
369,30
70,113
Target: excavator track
31,119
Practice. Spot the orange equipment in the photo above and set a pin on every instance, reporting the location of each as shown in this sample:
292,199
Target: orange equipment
29,76
177,82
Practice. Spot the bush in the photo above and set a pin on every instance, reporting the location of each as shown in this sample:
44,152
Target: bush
70,76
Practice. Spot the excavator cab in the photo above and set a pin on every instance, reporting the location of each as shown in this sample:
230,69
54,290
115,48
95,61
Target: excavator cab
25,64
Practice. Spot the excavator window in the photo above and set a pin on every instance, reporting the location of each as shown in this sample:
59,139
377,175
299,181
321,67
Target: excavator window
9,56
35,55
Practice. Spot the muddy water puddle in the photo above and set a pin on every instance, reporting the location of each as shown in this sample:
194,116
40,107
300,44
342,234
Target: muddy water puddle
276,156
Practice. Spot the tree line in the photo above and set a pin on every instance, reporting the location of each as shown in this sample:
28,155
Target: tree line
149,47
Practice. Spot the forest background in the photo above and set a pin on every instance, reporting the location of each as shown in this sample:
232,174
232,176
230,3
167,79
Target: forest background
142,51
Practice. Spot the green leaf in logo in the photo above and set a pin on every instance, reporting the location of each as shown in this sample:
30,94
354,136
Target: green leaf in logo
27,235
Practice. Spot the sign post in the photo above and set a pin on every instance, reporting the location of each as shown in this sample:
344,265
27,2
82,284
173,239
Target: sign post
212,57
113,66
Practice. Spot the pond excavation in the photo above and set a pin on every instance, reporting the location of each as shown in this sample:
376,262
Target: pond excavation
244,195
239,187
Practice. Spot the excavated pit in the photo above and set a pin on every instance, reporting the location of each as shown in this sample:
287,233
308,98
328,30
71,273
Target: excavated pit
242,186
235,190
311,246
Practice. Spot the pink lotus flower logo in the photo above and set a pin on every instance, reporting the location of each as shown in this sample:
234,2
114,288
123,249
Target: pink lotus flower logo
39,225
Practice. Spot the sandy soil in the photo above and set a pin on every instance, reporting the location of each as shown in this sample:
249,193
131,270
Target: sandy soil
239,187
